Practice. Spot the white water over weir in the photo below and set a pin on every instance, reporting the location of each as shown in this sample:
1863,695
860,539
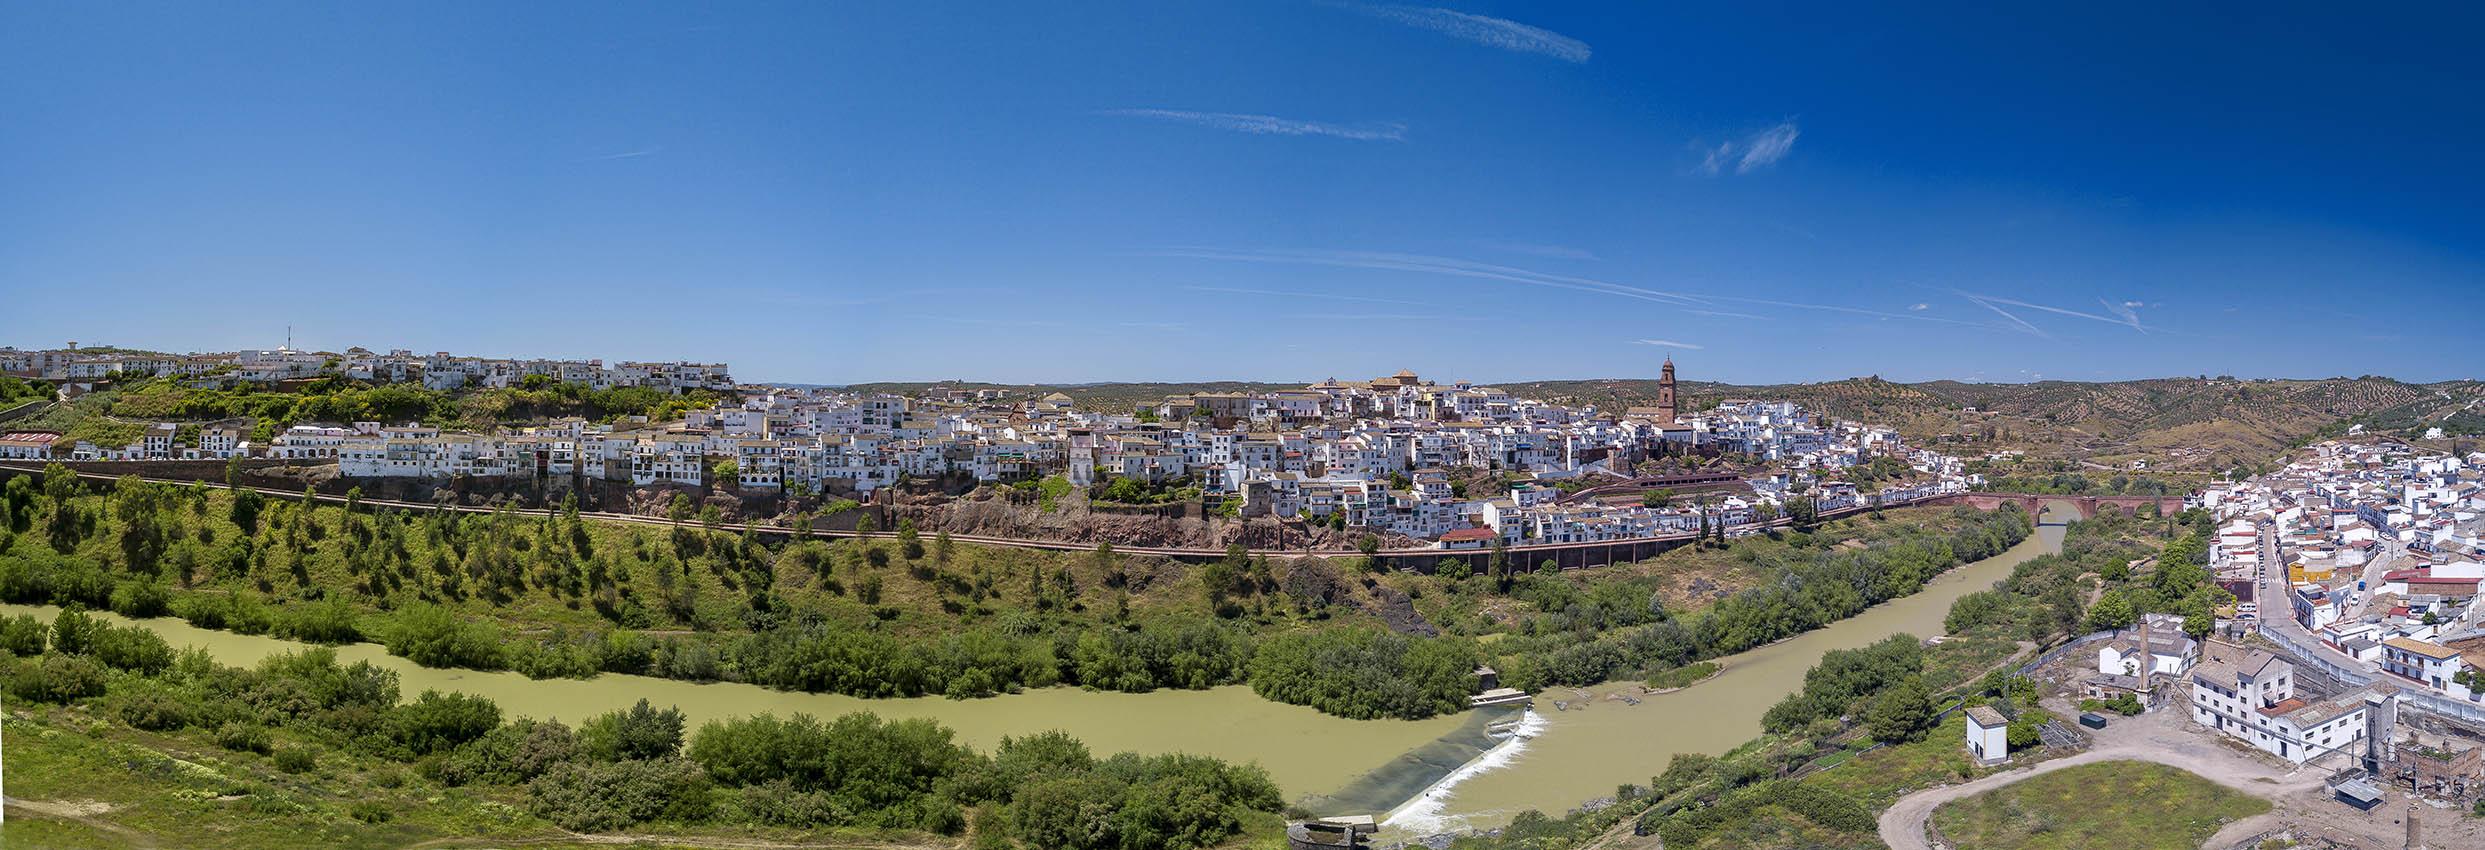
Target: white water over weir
1427,812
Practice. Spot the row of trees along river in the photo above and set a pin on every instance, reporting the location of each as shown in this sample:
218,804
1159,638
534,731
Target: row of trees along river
115,550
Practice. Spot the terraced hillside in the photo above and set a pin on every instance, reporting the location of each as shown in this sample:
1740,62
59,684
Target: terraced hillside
2191,424
2197,424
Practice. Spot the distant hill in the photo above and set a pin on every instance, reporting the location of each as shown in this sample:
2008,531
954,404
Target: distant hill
2171,424
2178,424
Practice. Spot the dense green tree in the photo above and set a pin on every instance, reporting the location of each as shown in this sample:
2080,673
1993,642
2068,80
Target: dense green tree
2113,611
1364,673
437,722
1900,713
637,733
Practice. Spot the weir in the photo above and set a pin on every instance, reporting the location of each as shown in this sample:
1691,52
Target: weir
1573,756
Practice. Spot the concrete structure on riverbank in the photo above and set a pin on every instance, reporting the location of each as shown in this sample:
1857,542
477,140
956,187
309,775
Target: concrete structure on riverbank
1333,833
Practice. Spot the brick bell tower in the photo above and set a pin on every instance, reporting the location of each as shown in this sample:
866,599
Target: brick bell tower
1665,392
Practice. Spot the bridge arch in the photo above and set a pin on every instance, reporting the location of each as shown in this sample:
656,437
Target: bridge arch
2087,506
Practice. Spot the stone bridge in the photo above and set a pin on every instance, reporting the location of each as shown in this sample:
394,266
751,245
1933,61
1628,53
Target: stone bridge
2087,505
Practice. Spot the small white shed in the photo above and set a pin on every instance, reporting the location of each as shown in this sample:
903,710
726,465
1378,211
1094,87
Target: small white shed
1988,735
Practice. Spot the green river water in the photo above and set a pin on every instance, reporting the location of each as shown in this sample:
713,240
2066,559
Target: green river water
1431,775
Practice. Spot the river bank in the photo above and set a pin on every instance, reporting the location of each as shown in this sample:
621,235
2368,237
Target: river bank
1589,750
1302,749
1368,765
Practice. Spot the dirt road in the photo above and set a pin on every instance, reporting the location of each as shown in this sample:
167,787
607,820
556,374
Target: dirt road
2157,737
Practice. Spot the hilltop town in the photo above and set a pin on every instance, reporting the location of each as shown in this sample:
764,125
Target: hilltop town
1459,464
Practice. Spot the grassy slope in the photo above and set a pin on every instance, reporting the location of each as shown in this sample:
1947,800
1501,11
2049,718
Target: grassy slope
82,781
2150,807
155,795
923,597
1686,579
152,788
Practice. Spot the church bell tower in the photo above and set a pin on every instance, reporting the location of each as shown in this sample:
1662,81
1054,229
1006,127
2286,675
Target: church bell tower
1665,393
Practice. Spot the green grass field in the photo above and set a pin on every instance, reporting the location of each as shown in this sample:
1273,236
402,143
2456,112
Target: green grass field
2123,805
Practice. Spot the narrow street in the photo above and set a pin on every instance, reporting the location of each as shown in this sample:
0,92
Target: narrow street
2277,606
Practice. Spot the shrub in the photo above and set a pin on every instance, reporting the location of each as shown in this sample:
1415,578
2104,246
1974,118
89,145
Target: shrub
602,797
1366,673
154,710
325,621
435,721
511,754
297,683
1823,806
1901,713
243,738
23,635
132,648
239,613
59,679
296,760
141,599
640,732
74,631
433,636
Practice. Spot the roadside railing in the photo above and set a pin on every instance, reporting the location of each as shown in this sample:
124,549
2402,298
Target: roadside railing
2411,694
2056,654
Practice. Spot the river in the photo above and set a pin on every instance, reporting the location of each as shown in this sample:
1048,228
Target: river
1580,755
1301,748
1456,771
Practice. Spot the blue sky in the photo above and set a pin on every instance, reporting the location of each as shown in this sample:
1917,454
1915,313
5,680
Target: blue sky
1270,190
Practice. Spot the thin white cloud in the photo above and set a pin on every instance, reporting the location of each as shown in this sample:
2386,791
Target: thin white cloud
1488,31
1379,317
1767,148
1665,343
1558,252
990,321
2127,316
1919,306
1759,150
634,154
2129,311
2016,322
1855,311
1237,290
1270,125
1716,158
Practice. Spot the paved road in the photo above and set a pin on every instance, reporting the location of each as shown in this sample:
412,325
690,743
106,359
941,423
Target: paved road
2156,737
2277,606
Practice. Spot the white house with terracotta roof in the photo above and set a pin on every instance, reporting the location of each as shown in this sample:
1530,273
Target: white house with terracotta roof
2430,664
28,445
2249,695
